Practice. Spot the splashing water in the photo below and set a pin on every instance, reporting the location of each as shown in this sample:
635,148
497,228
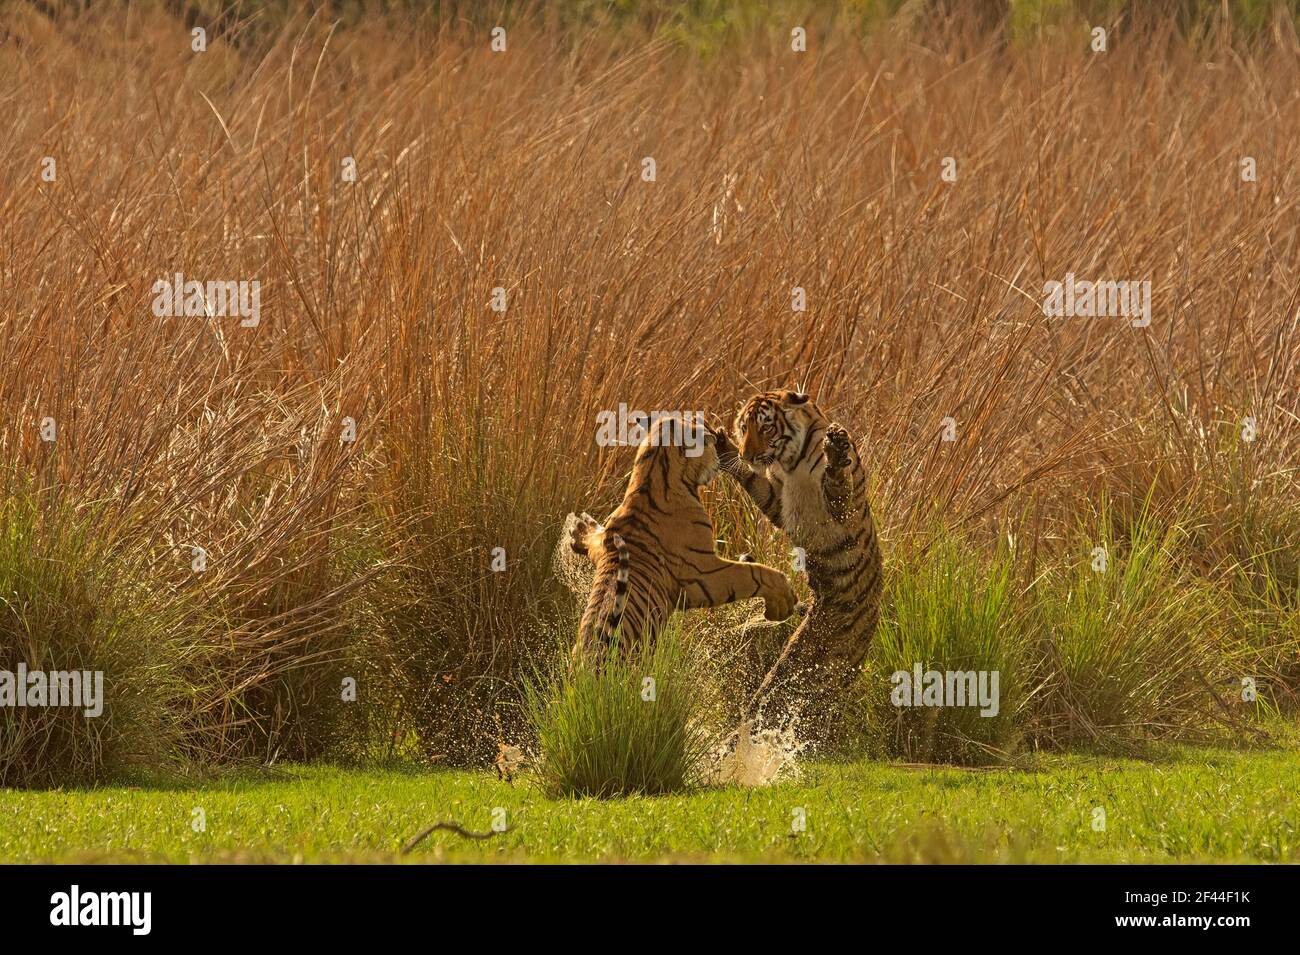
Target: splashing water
760,757
572,570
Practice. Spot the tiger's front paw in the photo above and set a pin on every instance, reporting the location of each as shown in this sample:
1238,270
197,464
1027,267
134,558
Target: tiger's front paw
779,602
837,446
728,456
582,532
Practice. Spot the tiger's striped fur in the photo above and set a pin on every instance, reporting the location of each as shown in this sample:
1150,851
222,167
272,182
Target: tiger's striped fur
804,473
656,552
621,564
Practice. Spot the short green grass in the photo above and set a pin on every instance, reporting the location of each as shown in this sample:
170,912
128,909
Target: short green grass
1181,805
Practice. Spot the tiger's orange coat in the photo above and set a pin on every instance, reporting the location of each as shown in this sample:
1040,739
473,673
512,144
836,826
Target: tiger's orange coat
804,473
656,553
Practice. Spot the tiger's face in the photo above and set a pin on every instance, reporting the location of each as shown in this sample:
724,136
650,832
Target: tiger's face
773,427
689,446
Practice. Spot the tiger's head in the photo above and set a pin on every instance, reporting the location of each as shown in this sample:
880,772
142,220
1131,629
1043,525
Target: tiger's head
774,426
687,448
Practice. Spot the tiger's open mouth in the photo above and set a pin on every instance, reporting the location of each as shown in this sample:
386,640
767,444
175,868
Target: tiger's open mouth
773,450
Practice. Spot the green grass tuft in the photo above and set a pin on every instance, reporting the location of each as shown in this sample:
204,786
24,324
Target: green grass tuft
68,604
948,610
1129,651
632,724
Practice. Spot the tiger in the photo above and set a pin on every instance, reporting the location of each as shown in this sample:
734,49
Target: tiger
804,473
656,552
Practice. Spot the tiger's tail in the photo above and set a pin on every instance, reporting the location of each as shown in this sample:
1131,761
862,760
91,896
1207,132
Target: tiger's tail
615,618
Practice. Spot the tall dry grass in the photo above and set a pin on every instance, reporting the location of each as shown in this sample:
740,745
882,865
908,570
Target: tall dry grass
522,170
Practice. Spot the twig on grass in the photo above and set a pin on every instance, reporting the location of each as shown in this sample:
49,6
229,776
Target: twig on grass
451,827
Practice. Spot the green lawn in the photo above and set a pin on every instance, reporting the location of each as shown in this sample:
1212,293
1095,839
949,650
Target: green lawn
1188,805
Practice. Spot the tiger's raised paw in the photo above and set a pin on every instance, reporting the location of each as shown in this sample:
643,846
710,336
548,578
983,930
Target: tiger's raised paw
837,446
780,603
728,456
584,528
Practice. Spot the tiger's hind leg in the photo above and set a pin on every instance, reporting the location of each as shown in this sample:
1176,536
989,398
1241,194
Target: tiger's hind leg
583,533
807,685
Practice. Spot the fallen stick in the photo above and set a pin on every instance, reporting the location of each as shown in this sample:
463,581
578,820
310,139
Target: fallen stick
452,827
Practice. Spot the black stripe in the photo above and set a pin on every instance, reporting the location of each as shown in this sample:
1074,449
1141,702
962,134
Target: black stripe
858,593
863,609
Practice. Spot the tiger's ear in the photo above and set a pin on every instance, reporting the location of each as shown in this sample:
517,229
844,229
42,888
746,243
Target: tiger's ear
794,398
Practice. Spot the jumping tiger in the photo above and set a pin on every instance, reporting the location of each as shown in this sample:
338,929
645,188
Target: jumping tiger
656,552
805,475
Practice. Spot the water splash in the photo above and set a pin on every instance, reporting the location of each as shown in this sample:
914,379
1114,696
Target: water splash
759,757
572,570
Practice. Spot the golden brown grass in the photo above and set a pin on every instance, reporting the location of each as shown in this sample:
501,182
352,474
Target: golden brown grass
522,170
